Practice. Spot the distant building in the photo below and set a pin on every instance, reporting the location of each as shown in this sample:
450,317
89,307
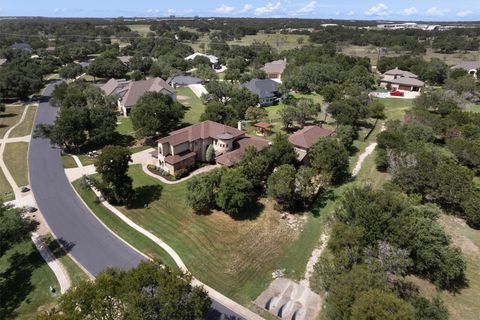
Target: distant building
401,80
265,89
183,147
471,67
125,59
274,69
129,92
215,63
305,138
22,46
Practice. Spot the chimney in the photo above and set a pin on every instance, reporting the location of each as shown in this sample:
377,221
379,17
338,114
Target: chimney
239,125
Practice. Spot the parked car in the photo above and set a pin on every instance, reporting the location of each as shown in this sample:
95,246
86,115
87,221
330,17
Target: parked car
396,93
24,189
30,209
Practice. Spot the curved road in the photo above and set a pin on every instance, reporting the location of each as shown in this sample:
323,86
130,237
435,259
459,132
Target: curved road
90,243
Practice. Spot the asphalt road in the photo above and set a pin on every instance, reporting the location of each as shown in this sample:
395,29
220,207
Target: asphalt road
90,243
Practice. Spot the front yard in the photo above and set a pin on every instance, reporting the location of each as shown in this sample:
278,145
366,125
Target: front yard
235,257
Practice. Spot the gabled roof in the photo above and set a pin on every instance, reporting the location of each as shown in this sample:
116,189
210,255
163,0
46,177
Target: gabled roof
3,61
136,89
213,59
306,137
262,124
408,82
115,86
203,130
125,59
276,67
402,73
468,65
184,80
264,88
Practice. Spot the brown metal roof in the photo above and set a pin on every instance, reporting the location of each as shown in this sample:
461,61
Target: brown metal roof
264,125
407,81
306,137
203,130
399,72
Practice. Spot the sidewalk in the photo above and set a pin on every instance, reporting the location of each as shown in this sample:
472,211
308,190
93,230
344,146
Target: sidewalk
194,173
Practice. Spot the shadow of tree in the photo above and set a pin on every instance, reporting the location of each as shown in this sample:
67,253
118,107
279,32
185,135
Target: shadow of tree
250,212
145,195
59,247
15,281
7,115
321,202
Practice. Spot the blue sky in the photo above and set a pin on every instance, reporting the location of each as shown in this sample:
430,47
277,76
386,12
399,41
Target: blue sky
344,9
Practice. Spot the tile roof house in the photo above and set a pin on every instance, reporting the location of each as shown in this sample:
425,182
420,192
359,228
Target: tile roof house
129,92
303,139
275,69
183,147
470,66
402,80
265,89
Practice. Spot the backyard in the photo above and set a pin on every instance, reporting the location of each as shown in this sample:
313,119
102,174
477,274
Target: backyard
194,105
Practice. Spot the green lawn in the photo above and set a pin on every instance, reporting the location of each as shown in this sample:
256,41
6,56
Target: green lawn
128,234
15,157
474,108
86,160
195,106
125,126
25,128
68,161
9,117
395,108
6,193
74,271
25,279
235,257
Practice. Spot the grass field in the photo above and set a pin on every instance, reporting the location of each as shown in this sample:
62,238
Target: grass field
234,256
25,281
86,160
195,106
6,193
125,126
25,128
474,108
276,40
68,161
8,118
15,157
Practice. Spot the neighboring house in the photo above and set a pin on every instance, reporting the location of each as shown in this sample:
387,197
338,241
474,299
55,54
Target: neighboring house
3,62
471,67
402,80
129,92
265,89
263,128
303,139
183,147
183,81
22,46
125,60
274,69
213,59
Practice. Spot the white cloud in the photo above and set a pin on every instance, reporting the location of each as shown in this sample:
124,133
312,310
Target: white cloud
379,9
224,9
269,8
435,11
171,11
350,13
246,8
155,10
409,11
309,8
58,10
464,13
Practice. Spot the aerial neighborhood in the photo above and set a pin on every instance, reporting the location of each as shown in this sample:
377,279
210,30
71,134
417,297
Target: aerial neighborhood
260,161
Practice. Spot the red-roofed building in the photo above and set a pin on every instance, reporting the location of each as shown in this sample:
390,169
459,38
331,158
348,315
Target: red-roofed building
262,128
303,139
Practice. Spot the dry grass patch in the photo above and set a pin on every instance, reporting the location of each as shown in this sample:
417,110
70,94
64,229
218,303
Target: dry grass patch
9,118
25,128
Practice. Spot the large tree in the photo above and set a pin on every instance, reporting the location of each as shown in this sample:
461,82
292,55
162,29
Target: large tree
149,291
112,165
155,114
107,67
234,191
71,71
281,186
14,227
330,158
